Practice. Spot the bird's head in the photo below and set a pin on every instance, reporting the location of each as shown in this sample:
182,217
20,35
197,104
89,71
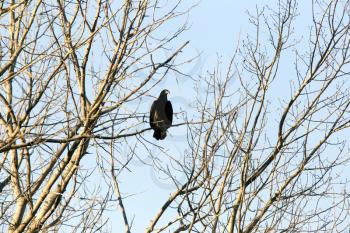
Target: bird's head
165,92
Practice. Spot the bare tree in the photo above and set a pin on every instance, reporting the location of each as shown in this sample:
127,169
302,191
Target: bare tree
253,162
259,162
67,70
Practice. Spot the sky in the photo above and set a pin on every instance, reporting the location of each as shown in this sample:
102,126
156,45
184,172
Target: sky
215,28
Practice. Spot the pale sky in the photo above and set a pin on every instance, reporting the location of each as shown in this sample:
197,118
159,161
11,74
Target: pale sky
215,29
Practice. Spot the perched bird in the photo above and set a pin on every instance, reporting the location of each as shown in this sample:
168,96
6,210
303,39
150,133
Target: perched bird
161,115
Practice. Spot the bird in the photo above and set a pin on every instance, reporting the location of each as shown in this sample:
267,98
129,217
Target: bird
161,115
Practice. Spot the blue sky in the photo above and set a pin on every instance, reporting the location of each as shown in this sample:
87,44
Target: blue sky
215,28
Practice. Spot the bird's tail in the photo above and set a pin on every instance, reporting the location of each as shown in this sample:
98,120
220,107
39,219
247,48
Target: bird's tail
159,134
162,134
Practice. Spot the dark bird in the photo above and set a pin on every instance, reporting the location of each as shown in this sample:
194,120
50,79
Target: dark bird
161,115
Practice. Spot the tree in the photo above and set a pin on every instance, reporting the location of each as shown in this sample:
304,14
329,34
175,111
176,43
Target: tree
67,70
253,162
258,162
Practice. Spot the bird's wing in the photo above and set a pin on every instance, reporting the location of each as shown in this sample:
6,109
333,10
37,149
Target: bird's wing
169,111
151,114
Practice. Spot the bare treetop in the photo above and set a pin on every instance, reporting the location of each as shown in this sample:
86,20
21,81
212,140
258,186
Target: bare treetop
75,82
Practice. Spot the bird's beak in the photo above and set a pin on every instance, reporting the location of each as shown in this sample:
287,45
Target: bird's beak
167,92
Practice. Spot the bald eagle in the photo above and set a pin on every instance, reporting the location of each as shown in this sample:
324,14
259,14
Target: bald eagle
161,115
